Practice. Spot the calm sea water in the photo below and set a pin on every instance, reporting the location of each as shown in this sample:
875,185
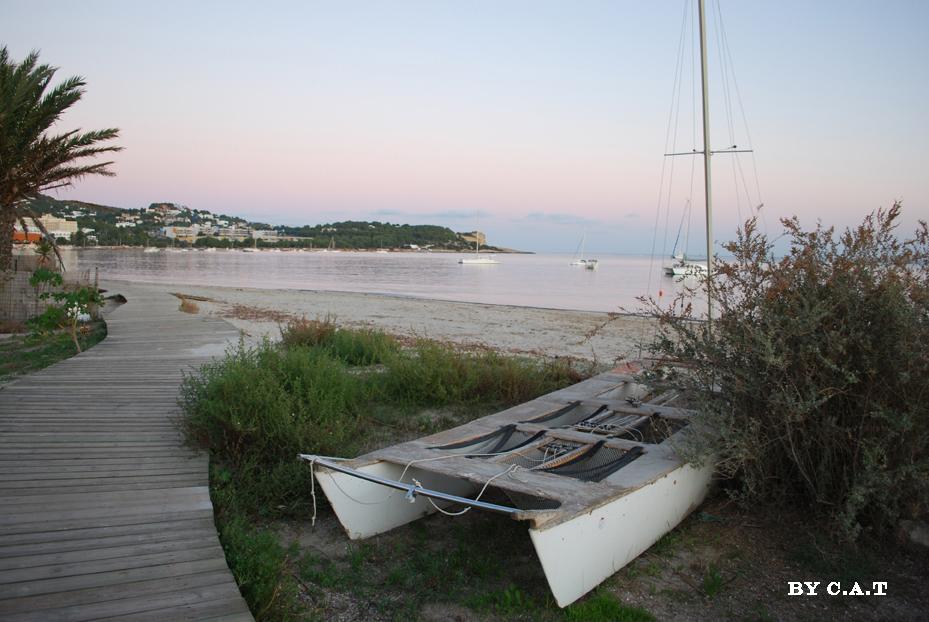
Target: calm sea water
542,280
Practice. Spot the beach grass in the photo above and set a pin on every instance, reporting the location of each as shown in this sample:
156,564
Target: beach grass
26,353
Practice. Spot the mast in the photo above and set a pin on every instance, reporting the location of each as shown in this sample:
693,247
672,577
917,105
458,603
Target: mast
706,167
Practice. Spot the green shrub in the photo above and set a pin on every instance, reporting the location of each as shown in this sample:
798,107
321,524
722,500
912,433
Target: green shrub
259,407
435,374
811,382
353,346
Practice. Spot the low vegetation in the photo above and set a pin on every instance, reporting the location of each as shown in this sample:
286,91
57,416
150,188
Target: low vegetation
811,382
28,352
67,325
330,390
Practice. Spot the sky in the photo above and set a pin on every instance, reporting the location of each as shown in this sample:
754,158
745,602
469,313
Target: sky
537,122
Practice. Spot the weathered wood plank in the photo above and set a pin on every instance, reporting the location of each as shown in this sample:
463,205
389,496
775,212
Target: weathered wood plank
62,605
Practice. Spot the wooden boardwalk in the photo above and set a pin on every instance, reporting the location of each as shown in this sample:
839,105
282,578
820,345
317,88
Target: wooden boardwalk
103,513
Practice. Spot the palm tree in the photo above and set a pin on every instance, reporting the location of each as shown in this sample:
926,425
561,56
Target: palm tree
32,159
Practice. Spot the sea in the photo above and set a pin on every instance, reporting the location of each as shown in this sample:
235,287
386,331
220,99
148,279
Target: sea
526,280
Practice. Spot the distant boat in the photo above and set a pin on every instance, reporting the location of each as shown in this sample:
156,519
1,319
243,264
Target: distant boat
331,248
151,249
684,266
253,248
478,259
579,260
687,267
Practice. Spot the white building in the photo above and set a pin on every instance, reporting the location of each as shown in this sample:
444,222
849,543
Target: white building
56,227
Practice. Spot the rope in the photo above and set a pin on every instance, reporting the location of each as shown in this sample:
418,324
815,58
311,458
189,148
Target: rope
511,468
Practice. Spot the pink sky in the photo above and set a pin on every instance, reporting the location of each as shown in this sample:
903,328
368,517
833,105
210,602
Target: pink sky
540,120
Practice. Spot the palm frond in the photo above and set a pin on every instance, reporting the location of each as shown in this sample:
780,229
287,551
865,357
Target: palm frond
31,159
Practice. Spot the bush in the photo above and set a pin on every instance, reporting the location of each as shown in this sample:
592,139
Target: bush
354,346
435,374
811,382
259,407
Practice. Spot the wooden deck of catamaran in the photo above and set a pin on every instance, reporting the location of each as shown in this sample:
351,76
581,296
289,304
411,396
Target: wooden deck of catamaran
103,512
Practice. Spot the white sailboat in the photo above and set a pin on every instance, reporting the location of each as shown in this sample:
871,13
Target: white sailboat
478,259
579,259
683,265
592,469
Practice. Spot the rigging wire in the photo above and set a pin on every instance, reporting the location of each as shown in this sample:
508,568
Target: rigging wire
727,108
675,97
727,51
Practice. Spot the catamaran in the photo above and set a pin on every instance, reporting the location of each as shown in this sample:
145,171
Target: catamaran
590,469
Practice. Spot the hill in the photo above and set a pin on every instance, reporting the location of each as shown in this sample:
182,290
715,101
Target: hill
163,223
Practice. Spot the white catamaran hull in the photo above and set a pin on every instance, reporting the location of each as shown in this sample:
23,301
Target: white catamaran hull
579,554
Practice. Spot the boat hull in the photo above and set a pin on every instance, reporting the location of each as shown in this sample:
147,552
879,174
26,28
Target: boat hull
579,554
479,261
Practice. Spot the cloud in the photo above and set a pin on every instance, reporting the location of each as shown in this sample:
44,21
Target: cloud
469,215
560,219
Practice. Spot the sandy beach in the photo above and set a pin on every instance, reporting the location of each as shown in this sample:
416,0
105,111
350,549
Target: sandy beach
258,313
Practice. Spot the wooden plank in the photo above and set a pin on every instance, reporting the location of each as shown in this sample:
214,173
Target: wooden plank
61,606
55,531
116,577
159,532
102,553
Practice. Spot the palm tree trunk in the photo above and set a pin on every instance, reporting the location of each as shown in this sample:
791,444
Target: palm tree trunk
7,220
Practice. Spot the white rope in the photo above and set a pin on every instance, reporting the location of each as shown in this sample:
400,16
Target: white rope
313,490
511,468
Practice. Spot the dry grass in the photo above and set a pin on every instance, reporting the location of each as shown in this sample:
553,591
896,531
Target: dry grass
248,312
192,297
188,306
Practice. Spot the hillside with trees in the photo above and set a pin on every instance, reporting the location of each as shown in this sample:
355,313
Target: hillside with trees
113,226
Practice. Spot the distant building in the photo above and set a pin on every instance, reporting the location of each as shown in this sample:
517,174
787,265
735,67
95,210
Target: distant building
264,234
236,234
185,234
56,227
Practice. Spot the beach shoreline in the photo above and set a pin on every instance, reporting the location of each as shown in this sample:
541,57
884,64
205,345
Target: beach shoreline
599,337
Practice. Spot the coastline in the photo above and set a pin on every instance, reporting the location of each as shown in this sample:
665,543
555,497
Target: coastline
258,313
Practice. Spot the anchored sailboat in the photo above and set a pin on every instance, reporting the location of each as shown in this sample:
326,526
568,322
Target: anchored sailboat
478,259
579,260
